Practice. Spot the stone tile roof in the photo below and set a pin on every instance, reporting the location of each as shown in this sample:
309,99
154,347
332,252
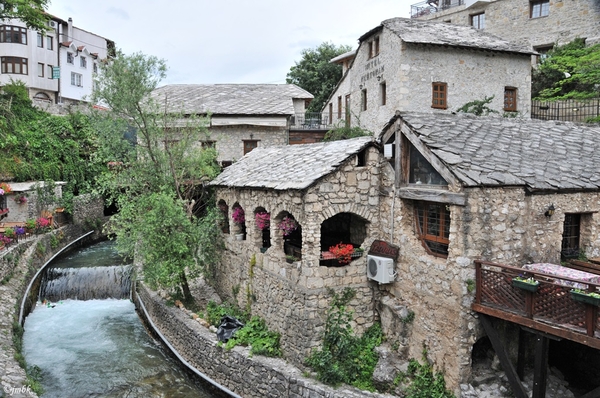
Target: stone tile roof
289,166
447,34
495,151
232,99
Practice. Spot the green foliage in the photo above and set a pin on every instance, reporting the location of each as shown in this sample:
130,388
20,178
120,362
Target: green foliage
409,318
424,382
470,285
32,12
166,212
344,357
344,133
215,312
256,334
316,74
568,71
478,107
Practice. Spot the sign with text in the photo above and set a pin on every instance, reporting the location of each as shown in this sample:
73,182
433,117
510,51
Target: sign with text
384,249
56,72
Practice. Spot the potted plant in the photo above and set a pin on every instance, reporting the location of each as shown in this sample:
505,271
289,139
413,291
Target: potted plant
585,297
42,224
30,226
21,199
239,217
343,252
5,188
263,220
526,283
288,225
9,233
291,259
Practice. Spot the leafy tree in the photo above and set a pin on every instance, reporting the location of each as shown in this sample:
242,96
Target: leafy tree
345,133
157,179
569,71
31,12
478,107
316,74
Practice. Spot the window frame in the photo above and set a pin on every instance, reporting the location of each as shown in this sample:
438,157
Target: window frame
40,40
13,32
539,9
383,93
339,107
363,99
436,244
76,79
247,145
347,109
439,93
478,20
41,68
83,62
571,232
510,99
22,62
70,58
49,43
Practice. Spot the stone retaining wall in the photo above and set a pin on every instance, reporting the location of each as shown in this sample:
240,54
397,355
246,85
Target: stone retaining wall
234,369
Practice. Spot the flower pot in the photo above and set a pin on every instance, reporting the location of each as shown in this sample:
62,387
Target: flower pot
530,287
263,249
584,298
239,236
287,260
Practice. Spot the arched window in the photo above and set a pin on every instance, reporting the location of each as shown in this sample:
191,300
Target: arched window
41,97
224,222
292,235
345,232
262,220
239,221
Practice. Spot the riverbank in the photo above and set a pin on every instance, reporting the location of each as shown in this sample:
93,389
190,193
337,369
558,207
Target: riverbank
18,265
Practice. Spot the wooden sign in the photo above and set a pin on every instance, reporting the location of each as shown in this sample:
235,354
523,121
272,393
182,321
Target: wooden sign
384,249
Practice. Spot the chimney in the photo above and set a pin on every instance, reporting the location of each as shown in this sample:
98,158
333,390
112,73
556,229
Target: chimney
70,30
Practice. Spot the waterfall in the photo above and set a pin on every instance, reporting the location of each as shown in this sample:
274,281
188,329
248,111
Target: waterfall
86,283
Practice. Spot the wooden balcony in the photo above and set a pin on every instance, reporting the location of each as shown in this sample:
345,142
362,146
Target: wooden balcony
551,309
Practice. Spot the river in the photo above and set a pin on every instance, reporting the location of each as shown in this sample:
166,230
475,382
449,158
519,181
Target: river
100,348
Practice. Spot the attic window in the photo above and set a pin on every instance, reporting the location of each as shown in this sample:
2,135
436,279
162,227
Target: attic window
421,171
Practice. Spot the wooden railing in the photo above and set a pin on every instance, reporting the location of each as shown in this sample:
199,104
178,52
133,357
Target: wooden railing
550,309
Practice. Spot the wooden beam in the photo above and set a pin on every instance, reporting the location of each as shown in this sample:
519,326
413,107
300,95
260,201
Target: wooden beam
432,195
507,366
540,326
521,354
540,366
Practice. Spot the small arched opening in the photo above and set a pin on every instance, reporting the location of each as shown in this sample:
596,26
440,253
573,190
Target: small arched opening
238,215
262,221
290,234
341,238
224,220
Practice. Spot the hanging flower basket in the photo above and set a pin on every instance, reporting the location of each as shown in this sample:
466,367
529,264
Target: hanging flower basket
238,215
288,225
263,220
343,252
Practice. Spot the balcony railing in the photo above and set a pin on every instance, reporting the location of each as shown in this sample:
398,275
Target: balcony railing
310,121
432,6
550,309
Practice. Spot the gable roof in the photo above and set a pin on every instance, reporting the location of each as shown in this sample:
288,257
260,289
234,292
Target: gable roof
495,151
232,99
289,166
446,34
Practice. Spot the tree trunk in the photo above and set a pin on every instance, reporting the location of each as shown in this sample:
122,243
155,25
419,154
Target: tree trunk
185,287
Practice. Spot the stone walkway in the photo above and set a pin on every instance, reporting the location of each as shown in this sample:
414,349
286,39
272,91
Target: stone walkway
12,376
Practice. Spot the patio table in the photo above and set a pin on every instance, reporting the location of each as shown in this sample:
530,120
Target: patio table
559,270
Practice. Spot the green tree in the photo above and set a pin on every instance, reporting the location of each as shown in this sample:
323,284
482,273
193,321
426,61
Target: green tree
569,71
158,173
31,12
316,74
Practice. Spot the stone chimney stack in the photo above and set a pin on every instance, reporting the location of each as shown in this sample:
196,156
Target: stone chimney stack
70,30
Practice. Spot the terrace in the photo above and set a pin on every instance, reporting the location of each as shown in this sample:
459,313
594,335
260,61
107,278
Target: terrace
432,6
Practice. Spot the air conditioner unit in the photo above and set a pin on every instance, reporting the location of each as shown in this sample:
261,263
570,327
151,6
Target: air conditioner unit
380,269
52,24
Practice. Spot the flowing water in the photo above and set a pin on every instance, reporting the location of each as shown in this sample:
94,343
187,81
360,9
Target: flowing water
98,348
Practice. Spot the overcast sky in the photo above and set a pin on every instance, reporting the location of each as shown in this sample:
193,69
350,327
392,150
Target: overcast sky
228,41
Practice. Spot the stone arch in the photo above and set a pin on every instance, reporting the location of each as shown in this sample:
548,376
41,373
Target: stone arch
238,216
224,222
262,223
353,207
41,96
291,242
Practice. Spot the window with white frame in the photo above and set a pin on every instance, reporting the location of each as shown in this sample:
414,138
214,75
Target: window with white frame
76,79
40,40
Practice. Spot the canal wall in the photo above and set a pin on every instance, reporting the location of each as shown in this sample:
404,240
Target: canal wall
19,264
245,375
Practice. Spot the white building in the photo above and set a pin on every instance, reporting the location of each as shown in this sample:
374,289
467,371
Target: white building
57,66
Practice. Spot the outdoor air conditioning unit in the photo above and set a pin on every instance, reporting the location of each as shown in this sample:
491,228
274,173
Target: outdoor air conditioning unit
52,24
380,269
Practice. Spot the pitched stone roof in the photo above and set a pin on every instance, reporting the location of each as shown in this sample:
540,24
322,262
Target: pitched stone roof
289,166
447,34
495,151
232,99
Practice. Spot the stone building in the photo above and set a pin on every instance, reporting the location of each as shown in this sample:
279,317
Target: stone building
242,116
443,190
539,24
415,66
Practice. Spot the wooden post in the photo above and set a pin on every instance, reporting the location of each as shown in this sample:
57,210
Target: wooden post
540,370
521,354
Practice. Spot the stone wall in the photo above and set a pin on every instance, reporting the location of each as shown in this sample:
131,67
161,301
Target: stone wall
230,139
294,298
255,376
510,19
89,210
